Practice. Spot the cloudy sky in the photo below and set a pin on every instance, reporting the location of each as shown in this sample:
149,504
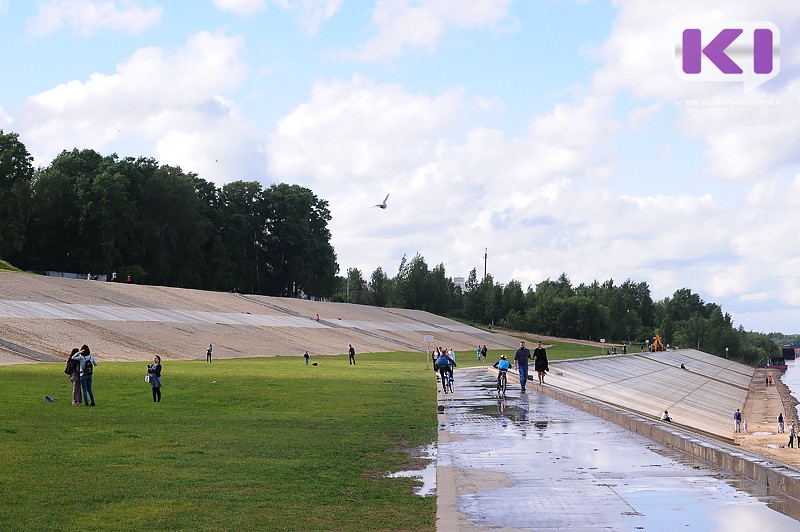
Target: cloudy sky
559,134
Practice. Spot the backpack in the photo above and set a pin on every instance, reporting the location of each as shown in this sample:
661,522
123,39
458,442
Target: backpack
88,369
70,365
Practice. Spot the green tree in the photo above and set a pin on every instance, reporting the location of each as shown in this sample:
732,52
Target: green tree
16,178
58,232
379,288
356,287
300,257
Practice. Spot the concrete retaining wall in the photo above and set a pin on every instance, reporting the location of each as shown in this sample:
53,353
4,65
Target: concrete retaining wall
774,475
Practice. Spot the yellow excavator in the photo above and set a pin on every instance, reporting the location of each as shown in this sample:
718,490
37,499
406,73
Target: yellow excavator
657,344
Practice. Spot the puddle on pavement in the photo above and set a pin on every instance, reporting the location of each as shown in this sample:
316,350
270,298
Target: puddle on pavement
427,475
590,473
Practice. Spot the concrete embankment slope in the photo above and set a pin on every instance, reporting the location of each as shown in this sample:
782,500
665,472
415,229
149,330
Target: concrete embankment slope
41,318
703,396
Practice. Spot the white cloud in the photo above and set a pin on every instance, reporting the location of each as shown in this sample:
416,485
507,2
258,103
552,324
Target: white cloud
312,12
420,24
170,104
748,136
241,8
358,130
533,200
86,17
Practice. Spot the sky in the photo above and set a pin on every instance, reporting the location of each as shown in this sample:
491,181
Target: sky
553,136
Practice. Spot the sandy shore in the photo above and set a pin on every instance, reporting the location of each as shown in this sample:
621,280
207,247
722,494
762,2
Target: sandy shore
761,410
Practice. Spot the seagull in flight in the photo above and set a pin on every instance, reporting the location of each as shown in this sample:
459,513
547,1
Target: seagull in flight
382,205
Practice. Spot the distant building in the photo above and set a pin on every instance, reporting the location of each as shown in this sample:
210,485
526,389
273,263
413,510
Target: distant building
459,281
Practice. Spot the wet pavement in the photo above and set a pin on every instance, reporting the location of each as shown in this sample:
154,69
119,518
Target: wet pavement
530,462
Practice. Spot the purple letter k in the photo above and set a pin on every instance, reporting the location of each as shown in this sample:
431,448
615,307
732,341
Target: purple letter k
715,51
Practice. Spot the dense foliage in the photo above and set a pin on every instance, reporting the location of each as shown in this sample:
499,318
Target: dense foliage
622,313
93,214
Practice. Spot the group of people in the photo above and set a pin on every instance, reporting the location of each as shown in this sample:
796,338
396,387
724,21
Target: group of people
80,368
480,353
444,360
523,355
792,431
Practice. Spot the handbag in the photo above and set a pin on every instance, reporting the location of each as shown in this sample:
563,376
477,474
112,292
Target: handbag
147,378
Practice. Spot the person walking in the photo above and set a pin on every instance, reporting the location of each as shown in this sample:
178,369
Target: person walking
352,353
208,353
154,370
305,356
540,361
521,357
737,420
478,353
74,370
791,434
87,363
780,423
484,351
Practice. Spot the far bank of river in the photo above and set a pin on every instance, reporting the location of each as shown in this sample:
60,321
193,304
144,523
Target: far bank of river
791,378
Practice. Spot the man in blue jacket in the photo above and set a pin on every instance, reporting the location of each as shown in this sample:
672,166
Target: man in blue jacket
502,366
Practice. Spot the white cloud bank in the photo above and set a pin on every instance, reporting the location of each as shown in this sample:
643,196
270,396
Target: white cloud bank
172,104
403,25
543,202
86,17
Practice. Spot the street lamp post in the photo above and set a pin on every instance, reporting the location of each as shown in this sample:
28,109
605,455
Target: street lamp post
726,352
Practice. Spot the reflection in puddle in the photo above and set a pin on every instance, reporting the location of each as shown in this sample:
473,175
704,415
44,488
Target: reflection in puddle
427,475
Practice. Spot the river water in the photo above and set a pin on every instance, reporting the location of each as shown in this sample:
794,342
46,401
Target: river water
791,378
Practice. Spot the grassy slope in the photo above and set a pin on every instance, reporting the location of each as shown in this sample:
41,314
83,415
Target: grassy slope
6,267
272,444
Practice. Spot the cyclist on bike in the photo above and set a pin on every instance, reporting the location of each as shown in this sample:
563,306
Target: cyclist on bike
444,364
502,366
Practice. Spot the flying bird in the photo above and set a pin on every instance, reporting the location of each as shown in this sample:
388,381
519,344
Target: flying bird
382,205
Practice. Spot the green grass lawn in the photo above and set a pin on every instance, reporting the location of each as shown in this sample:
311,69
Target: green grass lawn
555,351
247,444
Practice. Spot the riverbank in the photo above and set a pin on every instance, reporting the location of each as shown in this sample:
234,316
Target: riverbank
761,410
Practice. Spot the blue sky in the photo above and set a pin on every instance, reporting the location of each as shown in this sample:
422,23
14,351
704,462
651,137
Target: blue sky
556,133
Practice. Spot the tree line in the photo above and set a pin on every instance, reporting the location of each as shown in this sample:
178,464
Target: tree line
624,313
91,213
132,216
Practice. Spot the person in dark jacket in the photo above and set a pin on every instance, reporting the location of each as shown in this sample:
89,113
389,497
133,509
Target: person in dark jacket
74,367
540,362
154,371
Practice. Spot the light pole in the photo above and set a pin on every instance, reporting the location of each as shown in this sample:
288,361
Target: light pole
726,352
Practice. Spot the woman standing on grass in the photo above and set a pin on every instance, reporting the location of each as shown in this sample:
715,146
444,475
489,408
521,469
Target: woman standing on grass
154,371
75,377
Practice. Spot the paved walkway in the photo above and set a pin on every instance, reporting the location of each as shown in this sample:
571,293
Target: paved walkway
530,462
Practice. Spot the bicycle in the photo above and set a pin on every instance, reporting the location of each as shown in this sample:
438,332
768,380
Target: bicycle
447,381
502,383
